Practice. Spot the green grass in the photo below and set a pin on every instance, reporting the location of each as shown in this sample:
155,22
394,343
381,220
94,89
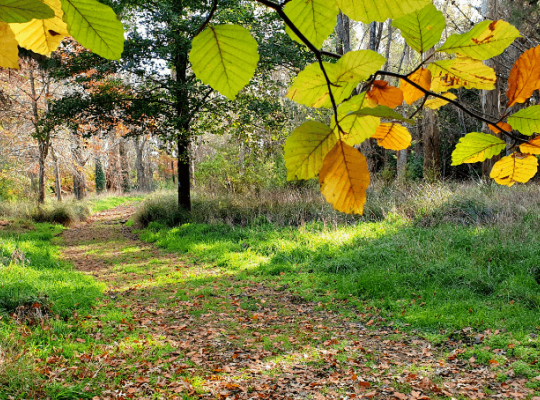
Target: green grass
443,277
102,203
43,275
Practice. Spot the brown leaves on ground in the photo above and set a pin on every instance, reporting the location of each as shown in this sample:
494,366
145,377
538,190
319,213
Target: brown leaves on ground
207,334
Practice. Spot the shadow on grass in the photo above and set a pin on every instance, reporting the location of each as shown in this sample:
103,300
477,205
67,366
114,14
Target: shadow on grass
447,276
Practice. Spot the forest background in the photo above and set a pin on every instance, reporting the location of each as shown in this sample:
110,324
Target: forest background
99,126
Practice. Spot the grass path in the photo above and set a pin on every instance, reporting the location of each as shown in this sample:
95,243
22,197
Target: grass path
168,329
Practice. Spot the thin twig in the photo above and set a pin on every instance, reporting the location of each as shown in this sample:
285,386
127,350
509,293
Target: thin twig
209,17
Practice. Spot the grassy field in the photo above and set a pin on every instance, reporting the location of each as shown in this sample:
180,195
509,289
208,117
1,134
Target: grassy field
452,269
444,277
458,262
35,281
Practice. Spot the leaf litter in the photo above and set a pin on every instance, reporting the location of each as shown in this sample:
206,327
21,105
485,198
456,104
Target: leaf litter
168,329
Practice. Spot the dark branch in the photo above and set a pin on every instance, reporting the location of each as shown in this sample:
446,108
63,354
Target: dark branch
209,18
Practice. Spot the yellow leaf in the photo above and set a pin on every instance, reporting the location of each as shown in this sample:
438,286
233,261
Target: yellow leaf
386,95
486,40
356,128
422,78
437,103
514,168
9,52
42,36
392,136
461,72
344,179
306,149
368,11
531,147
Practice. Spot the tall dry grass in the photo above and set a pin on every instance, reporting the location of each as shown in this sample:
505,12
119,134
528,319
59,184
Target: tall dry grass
426,204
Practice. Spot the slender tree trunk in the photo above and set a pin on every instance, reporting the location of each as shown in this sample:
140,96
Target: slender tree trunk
431,141
491,99
369,147
124,166
42,139
139,164
343,31
57,178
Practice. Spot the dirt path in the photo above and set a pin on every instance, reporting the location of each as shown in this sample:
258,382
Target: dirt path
168,330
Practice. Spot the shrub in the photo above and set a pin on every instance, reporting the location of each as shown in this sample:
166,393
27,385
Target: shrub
162,209
61,213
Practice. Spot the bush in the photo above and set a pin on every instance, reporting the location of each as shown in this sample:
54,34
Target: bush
60,213
162,209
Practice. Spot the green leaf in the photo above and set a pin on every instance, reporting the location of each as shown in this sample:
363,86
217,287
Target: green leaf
355,103
382,112
357,66
368,11
315,19
95,26
486,40
356,128
225,57
475,147
306,149
461,72
18,11
526,121
422,29
310,87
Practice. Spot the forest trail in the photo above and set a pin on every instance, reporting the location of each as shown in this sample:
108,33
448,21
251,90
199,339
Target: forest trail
170,330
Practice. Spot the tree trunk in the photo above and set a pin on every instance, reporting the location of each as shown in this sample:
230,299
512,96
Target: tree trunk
184,173
369,147
57,178
43,152
431,139
491,99
42,139
139,164
124,166
343,31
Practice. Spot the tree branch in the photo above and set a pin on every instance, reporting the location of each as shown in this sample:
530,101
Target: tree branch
209,17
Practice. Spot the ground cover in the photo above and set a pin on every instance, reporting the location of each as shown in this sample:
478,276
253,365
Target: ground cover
262,311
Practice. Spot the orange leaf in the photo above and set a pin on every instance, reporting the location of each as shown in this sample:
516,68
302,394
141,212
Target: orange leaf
385,95
344,179
422,78
531,147
503,125
524,77
392,136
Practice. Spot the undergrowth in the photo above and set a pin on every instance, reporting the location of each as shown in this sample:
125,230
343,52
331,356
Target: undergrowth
432,256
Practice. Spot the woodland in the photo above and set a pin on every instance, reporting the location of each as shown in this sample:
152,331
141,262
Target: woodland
269,199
